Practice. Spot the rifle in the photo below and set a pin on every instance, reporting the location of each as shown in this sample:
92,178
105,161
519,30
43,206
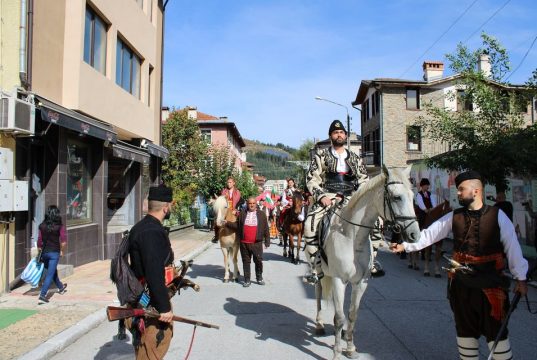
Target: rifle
118,313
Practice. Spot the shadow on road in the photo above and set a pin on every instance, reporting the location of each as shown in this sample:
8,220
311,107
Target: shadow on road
115,350
280,323
208,271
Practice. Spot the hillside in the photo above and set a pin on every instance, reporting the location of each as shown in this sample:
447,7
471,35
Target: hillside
271,160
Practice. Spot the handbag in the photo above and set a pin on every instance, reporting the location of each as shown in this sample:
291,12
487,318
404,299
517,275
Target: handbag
38,256
32,273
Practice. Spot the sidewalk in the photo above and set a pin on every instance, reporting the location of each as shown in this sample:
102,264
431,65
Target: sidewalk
67,317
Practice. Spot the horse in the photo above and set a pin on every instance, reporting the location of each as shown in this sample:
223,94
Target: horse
434,214
292,227
227,237
347,249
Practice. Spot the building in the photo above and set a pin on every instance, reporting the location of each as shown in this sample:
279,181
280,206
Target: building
390,108
278,186
355,141
218,131
93,72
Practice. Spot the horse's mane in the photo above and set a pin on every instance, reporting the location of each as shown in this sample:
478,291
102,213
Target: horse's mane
364,189
219,203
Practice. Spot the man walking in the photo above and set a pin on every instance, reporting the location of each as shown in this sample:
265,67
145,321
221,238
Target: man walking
150,252
483,237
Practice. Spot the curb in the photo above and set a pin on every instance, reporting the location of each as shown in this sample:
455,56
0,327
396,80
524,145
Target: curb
68,336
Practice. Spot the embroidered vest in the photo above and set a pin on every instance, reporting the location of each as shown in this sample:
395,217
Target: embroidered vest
477,233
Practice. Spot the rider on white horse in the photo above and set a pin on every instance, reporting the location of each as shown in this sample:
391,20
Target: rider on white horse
332,171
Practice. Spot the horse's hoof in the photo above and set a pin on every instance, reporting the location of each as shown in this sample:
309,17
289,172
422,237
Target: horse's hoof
426,274
320,331
438,276
410,266
351,354
285,254
225,281
416,267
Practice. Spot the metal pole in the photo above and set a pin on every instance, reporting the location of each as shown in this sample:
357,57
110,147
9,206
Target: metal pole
349,131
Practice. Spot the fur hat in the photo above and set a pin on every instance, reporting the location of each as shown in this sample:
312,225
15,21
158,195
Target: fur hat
424,181
468,175
336,125
160,193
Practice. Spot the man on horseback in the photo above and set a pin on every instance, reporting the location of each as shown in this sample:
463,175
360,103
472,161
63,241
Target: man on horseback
484,238
233,196
333,171
287,201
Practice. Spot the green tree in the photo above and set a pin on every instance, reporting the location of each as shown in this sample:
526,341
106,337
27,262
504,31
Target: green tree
303,152
490,139
216,169
245,183
181,136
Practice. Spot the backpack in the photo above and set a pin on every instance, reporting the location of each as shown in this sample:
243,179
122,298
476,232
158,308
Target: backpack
129,289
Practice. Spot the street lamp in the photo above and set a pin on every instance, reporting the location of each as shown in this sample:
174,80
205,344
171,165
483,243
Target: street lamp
348,119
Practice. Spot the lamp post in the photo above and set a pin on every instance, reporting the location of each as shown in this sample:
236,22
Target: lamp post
348,118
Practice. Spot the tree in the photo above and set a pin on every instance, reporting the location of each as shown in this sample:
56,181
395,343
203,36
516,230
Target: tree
216,169
490,139
181,136
303,152
245,183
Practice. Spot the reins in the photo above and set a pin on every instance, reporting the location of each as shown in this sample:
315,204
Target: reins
395,227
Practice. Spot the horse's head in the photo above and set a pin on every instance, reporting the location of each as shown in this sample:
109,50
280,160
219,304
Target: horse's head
398,207
298,202
220,207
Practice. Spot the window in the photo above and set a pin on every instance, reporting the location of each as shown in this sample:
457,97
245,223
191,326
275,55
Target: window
206,135
365,110
412,99
127,69
78,183
149,84
413,138
464,102
150,10
95,41
373,103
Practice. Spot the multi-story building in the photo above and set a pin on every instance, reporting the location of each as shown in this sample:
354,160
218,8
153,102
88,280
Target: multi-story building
218,131
390,108
93,72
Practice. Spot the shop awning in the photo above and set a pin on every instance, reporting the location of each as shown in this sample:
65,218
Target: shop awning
158,151
130,152
72,120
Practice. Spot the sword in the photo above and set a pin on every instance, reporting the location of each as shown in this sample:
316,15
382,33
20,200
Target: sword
512,308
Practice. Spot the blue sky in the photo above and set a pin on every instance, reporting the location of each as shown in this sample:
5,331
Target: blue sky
261,63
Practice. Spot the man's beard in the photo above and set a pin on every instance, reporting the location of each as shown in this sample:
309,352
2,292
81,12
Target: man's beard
466,201
338,141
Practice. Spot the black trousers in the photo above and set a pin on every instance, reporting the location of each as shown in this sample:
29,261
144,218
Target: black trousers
249,251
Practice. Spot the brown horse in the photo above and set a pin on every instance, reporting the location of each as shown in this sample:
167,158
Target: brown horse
293,226
434,214
227,237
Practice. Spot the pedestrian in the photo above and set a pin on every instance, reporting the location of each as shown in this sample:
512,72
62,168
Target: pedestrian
483,237
233,197
52,240
252,230
502,203
150,252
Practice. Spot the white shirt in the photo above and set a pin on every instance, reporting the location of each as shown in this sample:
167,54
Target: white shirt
342,166
518,266
421,204
251,218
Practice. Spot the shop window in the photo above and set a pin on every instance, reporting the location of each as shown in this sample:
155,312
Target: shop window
95,41
79,201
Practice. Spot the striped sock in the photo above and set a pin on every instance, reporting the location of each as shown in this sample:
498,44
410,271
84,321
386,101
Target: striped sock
468,348
502,351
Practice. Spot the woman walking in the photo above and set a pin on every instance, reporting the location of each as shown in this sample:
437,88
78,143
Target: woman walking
51,241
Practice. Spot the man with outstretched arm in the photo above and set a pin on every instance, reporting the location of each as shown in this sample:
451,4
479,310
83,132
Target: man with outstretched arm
483,238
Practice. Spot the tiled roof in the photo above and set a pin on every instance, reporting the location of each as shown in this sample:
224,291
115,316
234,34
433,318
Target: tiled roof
203,116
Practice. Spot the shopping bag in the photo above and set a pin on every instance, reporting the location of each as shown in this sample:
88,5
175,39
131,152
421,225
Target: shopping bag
32,273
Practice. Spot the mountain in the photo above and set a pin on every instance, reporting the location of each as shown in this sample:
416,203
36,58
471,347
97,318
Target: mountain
271,160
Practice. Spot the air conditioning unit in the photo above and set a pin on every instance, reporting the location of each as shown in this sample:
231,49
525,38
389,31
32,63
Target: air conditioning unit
16,116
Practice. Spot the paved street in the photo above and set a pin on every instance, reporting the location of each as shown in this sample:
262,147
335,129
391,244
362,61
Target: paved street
403,316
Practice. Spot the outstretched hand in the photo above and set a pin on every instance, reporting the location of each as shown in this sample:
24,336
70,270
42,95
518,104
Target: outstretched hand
396,248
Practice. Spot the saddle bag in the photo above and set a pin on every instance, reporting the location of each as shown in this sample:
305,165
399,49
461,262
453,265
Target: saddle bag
483,276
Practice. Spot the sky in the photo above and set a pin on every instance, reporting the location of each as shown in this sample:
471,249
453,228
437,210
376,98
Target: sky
262,63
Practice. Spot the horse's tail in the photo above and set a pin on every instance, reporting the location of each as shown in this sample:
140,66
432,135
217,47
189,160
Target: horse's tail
326,284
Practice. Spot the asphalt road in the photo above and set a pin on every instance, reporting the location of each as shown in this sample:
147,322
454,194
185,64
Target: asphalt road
402,316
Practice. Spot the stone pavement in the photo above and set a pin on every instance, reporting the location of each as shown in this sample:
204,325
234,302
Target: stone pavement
69,316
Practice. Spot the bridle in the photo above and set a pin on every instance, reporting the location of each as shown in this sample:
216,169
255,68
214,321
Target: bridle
393,223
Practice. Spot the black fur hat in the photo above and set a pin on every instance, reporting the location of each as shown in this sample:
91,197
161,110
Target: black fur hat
160,193
336,125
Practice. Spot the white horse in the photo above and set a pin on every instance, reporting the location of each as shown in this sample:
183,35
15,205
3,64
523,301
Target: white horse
227,237
348,249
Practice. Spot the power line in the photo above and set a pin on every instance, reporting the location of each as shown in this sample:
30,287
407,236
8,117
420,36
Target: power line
486,21
523,58
438,39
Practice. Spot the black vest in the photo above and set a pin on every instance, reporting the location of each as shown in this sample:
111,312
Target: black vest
477,233
426,200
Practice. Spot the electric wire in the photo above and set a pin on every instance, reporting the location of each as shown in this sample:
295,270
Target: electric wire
523,58
486,21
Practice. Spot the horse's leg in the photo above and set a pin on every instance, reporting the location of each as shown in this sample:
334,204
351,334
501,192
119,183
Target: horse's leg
437,257
284,237
338,296
427,252
235,250
358,291
319,325
226,264
298,245
292,248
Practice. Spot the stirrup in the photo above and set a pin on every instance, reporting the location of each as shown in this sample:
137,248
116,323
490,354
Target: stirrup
312,279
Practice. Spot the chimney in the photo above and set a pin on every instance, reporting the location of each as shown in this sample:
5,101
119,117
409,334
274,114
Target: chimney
483,65
192,112
433,70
